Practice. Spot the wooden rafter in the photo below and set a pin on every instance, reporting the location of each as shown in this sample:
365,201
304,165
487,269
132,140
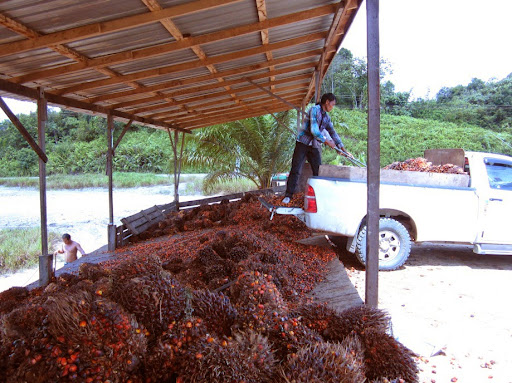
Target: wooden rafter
185,43
196,89
196,64
262,16
185,82
219,94
144,79
346,11
168,24
96,29
33,35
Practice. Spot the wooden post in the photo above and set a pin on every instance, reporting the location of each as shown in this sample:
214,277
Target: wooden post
373,148
317,86
111,227
45,260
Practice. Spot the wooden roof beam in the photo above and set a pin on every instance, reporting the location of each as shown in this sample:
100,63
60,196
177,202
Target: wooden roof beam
168,24
195,64
24,132
59,48
194,80
227,114
186,43
216,109
223,105
254,113
273,94
346,11
218,94
191,90
64,102
262,16
110,26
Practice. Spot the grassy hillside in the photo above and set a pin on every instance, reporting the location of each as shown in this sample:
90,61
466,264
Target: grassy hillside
406,137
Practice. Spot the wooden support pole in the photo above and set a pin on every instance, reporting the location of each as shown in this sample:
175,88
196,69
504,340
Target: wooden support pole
175,155
22,130
373,148
317,86
125,129
45,260
177,163
111,226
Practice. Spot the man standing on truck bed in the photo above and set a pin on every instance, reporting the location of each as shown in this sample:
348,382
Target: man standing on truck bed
309,142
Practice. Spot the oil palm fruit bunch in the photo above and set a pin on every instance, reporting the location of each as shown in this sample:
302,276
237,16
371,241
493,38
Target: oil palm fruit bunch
325,362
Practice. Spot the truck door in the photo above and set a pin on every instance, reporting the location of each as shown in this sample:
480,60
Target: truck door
498,202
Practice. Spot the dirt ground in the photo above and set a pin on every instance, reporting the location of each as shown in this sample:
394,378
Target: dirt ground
452,307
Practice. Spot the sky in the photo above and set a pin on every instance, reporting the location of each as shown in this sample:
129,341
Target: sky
429,44
437,43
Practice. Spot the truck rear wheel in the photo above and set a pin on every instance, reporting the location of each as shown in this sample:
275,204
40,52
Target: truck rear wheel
394,244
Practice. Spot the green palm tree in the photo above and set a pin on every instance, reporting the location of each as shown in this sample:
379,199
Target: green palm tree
255,148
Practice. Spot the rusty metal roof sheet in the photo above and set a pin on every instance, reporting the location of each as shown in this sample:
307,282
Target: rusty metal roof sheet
168,63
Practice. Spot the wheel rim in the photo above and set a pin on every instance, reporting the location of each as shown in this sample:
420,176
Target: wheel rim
389,245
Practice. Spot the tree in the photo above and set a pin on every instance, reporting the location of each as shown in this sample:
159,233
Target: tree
347,78
256,148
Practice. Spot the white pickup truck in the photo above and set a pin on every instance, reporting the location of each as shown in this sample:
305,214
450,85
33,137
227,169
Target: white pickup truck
477,212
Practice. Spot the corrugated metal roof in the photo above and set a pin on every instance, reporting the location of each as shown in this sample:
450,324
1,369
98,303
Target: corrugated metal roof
167,63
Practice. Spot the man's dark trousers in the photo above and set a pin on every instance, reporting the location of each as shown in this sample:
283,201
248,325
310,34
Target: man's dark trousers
300,154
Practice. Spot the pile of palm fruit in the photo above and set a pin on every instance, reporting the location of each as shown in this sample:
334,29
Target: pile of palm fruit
420,164
223,302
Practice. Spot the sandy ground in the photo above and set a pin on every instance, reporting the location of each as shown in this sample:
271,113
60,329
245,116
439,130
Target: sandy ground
81,213
452,307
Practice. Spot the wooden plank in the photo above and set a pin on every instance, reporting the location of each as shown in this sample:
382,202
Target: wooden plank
336,289
210,200
397,176
445,156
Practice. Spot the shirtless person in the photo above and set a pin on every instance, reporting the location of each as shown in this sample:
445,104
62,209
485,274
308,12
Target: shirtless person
70,249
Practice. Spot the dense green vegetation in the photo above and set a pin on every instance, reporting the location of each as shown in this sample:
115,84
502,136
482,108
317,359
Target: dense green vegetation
77,143
20,248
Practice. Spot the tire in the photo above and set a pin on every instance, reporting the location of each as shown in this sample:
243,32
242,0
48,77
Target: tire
394,244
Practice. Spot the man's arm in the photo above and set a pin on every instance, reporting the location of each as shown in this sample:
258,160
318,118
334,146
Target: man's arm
79,248
334,135
313,123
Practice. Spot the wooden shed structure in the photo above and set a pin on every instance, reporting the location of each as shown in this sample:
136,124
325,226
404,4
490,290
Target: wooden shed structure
169,64
176,64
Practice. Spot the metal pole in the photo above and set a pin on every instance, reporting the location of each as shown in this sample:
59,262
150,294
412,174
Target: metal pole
373,148
110,145
45,260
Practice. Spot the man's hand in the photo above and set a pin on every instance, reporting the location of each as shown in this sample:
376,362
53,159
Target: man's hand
330,143
347,153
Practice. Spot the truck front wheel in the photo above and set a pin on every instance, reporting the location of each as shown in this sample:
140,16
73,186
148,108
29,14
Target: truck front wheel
394,244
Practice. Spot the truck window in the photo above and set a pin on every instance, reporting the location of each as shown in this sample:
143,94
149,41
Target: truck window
499,174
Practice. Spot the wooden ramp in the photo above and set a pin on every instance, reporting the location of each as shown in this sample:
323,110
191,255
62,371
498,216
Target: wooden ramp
336,289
